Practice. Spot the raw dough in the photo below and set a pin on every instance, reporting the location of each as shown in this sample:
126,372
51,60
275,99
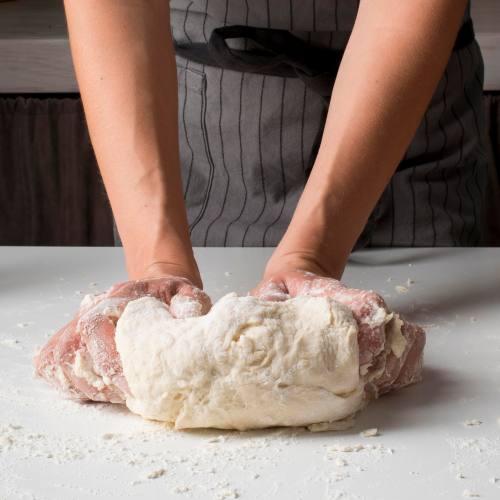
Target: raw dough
247,364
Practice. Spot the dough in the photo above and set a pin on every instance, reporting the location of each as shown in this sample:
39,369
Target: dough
247,364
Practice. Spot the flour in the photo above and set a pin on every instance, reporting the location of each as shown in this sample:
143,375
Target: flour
469,493
248,363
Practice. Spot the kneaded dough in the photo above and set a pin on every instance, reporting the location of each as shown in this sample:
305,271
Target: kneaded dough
247,364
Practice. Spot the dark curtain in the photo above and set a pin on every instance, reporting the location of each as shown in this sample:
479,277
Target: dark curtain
490,209
51,192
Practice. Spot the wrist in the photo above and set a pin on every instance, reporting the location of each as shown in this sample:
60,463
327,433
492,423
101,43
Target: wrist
160,254
304,260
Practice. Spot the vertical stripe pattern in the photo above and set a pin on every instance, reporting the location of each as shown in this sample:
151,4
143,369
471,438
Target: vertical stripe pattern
246,139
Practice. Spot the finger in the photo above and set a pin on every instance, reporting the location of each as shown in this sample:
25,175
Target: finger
98,333
50,365
406,369
272,291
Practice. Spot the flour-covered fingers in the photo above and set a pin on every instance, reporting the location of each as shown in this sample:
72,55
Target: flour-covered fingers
189,302
273,290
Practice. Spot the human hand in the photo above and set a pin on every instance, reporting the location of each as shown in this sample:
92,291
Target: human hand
370,312
81,359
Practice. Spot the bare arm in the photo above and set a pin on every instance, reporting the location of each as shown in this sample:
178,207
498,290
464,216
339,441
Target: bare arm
394,60
124,59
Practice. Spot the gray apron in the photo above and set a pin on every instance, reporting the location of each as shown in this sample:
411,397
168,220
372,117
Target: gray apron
248,140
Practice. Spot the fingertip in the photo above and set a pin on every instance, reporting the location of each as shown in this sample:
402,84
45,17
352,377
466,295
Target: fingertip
183,309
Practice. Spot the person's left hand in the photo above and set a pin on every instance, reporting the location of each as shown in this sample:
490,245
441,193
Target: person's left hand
365,307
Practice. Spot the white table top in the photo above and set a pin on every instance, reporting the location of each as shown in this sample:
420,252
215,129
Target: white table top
64,449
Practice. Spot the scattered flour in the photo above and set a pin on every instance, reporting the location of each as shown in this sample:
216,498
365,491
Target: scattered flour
469,493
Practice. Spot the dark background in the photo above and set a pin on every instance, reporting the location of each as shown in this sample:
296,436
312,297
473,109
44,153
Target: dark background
51,191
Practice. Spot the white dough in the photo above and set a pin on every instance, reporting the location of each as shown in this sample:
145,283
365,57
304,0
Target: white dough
247,364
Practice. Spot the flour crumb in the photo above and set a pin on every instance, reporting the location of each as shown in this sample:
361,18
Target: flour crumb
227,273
88,300
473,422
473,319
403,288
153,474
459,476
179,489
78,292
340,462
10,341
226,494
390,451
107,437
93,284
469,493
5,442
346,448
493,479
430,326
390,279
22,324
338,495
214,440
369,433
410,281
255,476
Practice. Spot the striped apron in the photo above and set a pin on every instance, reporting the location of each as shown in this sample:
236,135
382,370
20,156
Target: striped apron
248,140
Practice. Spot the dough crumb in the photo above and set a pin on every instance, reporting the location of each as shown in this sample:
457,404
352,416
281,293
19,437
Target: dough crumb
93,284
255,476
390,451
10,341
390,279
22,324
410,281
78,292
430,326
493,479
369,433
228,273
403,288
340,462
153,474
227,494
473,422
179,489
469,493
459,476
346,448
339,425
473,319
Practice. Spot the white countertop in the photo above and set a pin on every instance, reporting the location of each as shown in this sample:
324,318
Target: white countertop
101,450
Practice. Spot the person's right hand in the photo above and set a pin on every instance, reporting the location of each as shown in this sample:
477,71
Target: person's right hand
81,359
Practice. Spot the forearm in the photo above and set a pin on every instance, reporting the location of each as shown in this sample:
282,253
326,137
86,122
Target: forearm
393,62
124,59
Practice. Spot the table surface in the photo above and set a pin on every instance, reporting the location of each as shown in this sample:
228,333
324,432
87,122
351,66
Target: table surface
51,448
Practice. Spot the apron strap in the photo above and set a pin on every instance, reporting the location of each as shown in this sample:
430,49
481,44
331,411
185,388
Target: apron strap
288,56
